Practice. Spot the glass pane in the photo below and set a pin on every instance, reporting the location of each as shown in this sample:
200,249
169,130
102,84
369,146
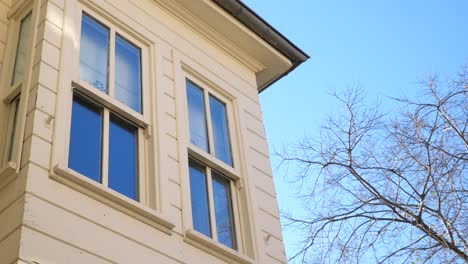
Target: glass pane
197,118
15,105
123,156
22,50
127,73
199,198
94,53
220,131
85,139
223,211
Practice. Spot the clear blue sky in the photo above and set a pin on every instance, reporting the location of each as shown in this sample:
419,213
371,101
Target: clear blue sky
386,46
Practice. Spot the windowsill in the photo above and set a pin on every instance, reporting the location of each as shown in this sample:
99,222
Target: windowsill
112,198
219,250
7,173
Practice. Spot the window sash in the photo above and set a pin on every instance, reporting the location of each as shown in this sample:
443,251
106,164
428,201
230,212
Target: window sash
208,123
112,167
119,64
13,127
212,204
21,55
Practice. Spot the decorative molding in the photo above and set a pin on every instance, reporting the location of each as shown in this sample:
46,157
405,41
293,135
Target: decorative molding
208,245
18,6
210,34
111,198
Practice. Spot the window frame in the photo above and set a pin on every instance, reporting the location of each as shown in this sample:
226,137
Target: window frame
211,163
209,177
203,78
111,106
148,208
14,96
209,158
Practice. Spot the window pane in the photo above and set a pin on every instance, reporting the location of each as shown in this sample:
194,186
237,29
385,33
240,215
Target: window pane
85,139
15,105
127,73
123,158
197,118
223,211
22,50
199,198
94,53
220,130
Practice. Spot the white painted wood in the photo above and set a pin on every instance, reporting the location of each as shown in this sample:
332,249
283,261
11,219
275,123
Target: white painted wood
11,217
41,248
9,247
268,202
64,213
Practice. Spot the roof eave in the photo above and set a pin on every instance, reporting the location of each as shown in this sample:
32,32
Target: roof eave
269,34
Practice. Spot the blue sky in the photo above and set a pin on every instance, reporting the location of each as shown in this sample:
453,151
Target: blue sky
386,47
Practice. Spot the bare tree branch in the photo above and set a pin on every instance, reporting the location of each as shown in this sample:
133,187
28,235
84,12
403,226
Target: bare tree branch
387,189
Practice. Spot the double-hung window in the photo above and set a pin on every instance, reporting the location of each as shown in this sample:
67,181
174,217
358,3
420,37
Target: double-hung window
211,190
108,117
14,85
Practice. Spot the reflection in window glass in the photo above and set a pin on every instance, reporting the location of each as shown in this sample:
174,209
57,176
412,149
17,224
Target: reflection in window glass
22,50
197,119
199,199
223,211
85,139
220,130
123,158
15,105
94,54
127,73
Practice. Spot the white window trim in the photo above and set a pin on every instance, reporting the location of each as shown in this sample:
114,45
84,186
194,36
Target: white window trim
148,209
215,248
186,69
9,168
210,87
112,198
112,105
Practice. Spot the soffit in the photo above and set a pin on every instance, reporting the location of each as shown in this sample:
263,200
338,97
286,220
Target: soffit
231,35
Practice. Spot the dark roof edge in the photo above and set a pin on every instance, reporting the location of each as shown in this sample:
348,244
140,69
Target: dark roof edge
272,36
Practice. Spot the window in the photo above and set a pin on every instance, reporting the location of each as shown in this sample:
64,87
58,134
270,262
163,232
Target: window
95,47
22,50
211,190
104,148
107,117
208,128
211,199
14,121
15,81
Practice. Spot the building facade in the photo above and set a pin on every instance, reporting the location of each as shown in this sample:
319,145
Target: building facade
131,132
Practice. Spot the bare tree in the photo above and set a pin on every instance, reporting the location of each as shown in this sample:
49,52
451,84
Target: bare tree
387,188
